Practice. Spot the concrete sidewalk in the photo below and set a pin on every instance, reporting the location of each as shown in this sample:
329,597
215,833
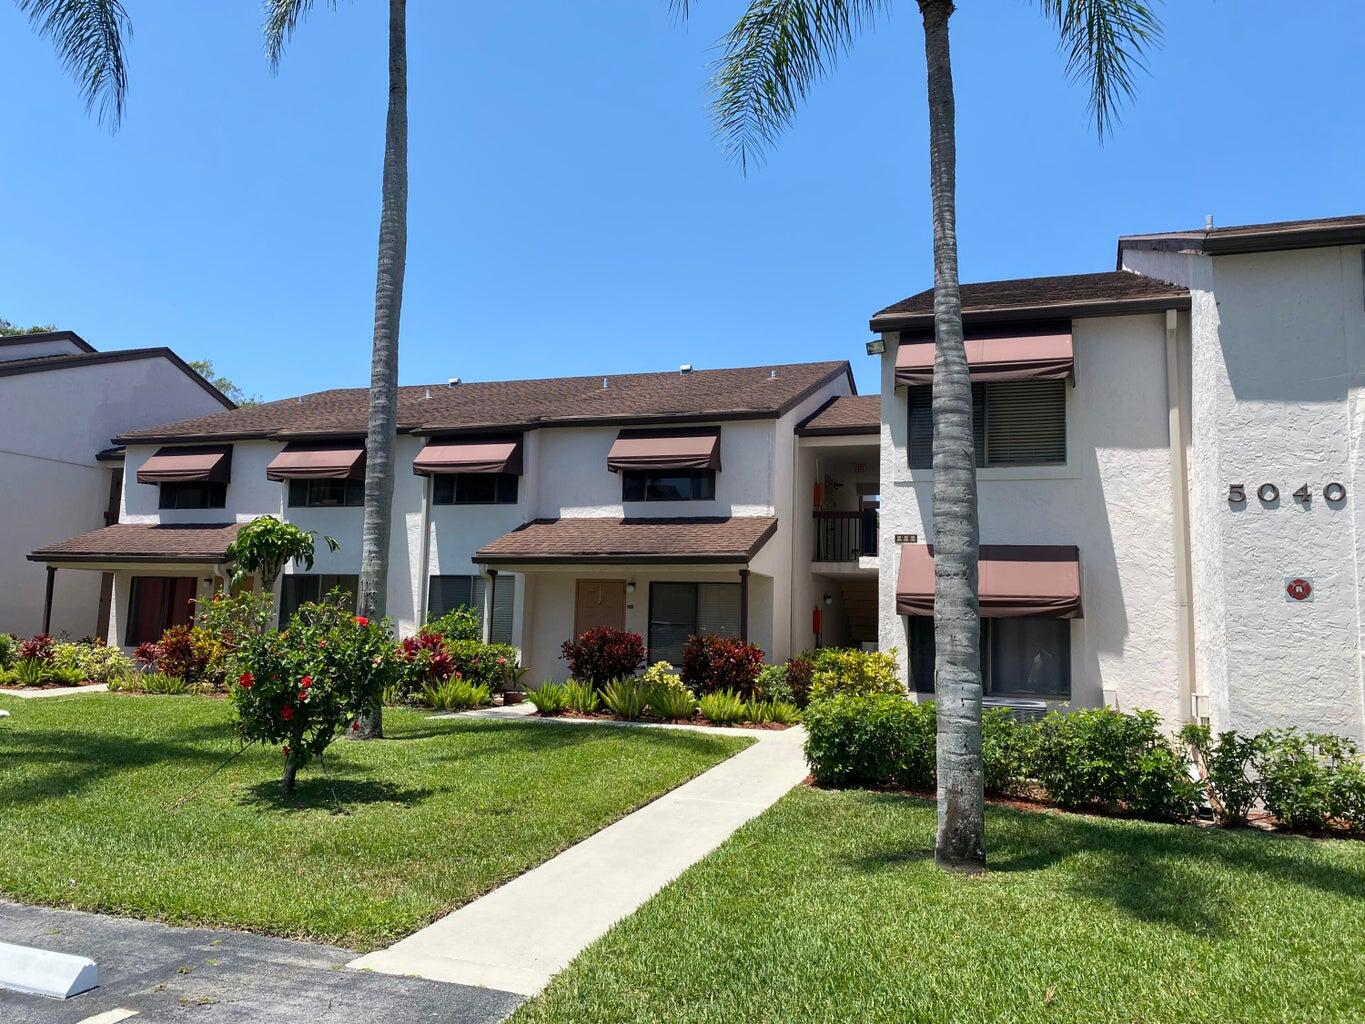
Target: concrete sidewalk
518,937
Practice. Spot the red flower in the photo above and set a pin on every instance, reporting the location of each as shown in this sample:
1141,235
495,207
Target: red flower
246,679
360,620
286,750
502,661
306,682
355,726
287,713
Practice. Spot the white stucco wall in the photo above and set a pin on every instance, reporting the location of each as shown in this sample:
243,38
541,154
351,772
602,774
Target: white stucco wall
1111,500
51,487
1278,355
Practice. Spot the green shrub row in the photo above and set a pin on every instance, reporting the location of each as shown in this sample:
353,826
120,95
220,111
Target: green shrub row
659,694
1097,759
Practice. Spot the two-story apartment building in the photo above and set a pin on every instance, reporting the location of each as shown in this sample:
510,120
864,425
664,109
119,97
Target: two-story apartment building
1169,455
663,503
61,401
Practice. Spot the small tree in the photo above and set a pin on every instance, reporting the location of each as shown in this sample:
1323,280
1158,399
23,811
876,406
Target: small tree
301,686
265,544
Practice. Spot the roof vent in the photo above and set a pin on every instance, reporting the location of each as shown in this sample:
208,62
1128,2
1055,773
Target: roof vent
685,369
427,396
772,375
453,382
604,383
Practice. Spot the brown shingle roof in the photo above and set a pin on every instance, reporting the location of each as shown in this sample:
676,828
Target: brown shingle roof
144,542
1029,298
747,392
736,539
1243,238
846,414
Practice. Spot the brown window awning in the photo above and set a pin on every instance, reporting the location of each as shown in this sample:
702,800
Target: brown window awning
197,462
469,455
303,460
695,448
1014,581
998,355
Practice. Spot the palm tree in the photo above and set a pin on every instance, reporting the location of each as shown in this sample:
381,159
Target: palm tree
770,60
89,36
282,18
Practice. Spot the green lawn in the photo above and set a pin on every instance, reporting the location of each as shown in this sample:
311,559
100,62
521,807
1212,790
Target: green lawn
392,835
828,908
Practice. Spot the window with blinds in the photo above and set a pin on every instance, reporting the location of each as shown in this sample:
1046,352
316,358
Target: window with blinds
446,593
678,611
1014,423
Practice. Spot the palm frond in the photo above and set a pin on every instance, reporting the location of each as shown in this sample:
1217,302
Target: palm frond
89,36
1105,42
282,17
777,50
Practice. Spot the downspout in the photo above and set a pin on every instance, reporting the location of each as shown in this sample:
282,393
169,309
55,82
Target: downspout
1193,704
424,559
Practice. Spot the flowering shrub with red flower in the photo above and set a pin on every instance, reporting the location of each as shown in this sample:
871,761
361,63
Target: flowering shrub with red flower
303,686
423,660
715,663
603,654
40,647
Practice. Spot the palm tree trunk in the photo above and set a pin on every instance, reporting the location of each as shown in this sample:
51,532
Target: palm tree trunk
961,841
388,305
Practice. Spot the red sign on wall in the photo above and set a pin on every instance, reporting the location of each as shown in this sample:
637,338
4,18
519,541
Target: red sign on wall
1298,589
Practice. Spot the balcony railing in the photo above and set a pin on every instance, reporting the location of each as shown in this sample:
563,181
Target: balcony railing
845,536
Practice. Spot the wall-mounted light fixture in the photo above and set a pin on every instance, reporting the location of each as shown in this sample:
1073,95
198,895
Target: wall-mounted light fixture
876,346
630,586
828,600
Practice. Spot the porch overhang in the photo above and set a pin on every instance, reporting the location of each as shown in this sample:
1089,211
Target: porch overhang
599,541
160,544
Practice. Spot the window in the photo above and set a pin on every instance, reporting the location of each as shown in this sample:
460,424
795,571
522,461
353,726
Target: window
300,588
681,610
155,604
668,485
326,493
474,489
193,494
1019,657
1014,423
450,592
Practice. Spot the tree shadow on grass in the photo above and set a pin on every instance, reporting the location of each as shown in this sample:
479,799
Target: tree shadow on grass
329,793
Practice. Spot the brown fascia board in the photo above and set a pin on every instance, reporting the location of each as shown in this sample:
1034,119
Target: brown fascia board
1231,242
1010,314
125,355
105,556
28,339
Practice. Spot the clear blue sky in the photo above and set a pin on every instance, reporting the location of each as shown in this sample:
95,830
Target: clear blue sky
570,210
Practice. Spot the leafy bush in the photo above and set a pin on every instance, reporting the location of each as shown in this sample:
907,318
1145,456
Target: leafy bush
1348,795
1307,778
36,672
150,682
1007,751
724,707
1101,758
582,697
490,665
846,670
672,701
455,694
187,652
715,663
1229,763
9,650
457,624
94,662
300,686
758,711
661,673
874,739
549,698
38,647
229,617
265,544
626,698
423,661
772,683
603,654
799,674
783,713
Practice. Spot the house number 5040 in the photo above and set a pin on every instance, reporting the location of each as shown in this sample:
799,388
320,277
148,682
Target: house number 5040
1269,493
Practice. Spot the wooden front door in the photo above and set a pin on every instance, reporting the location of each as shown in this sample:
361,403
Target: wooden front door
599,603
